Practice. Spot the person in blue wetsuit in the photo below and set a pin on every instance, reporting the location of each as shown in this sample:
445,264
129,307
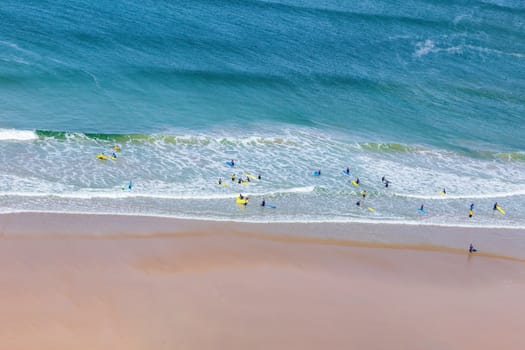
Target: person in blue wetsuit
347,170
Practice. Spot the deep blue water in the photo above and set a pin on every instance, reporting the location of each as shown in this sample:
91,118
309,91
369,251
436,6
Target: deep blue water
430,93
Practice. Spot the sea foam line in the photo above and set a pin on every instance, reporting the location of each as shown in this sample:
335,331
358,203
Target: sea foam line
464,196
17,135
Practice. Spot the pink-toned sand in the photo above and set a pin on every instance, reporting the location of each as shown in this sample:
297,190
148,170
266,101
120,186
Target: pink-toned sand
223,290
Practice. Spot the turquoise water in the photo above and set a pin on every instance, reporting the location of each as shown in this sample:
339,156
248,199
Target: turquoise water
428,94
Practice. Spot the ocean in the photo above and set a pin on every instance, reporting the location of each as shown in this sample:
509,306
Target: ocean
429,94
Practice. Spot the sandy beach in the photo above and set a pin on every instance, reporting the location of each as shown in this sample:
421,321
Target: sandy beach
102,282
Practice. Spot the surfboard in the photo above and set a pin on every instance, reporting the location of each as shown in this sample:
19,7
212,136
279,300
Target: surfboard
230,164
251,176
371,209
270,206
316,173
222,184
102,156
470,213
500,209
422,211
355,183
442,193
345,173
241,201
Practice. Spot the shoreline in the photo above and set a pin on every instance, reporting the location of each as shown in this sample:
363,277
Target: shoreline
506,243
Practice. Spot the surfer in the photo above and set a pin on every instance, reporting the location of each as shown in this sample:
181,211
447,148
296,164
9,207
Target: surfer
233,163
495,206
383,179
357,181
233,177
358,203
364,194
422,207
114,155
387,183
220,181
248,178
241,196
259,177
444,191
263,203
471,206
318,171
471,249
240,180
347,170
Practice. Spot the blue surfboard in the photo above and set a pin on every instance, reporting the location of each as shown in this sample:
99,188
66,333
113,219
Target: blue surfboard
422,211
271,206
230,164
316,173
345,173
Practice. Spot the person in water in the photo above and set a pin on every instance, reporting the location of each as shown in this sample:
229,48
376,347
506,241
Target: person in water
422,207
444,191
471,249
347,170
259,177
263,203
364,194
357,181
495,206
248,178
241,196
220,181
471,206
240,181
318,171
233,163
358,203
387,183
233,177
383,179
114,155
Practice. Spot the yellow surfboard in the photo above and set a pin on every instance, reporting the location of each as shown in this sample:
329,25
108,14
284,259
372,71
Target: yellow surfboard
251,176
371,209
355,183
102,156
500,209
241,201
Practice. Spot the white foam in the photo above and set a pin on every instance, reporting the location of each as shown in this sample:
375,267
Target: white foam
17,135
464,196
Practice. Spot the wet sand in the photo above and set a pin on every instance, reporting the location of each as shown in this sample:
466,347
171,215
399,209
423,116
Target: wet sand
65,285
